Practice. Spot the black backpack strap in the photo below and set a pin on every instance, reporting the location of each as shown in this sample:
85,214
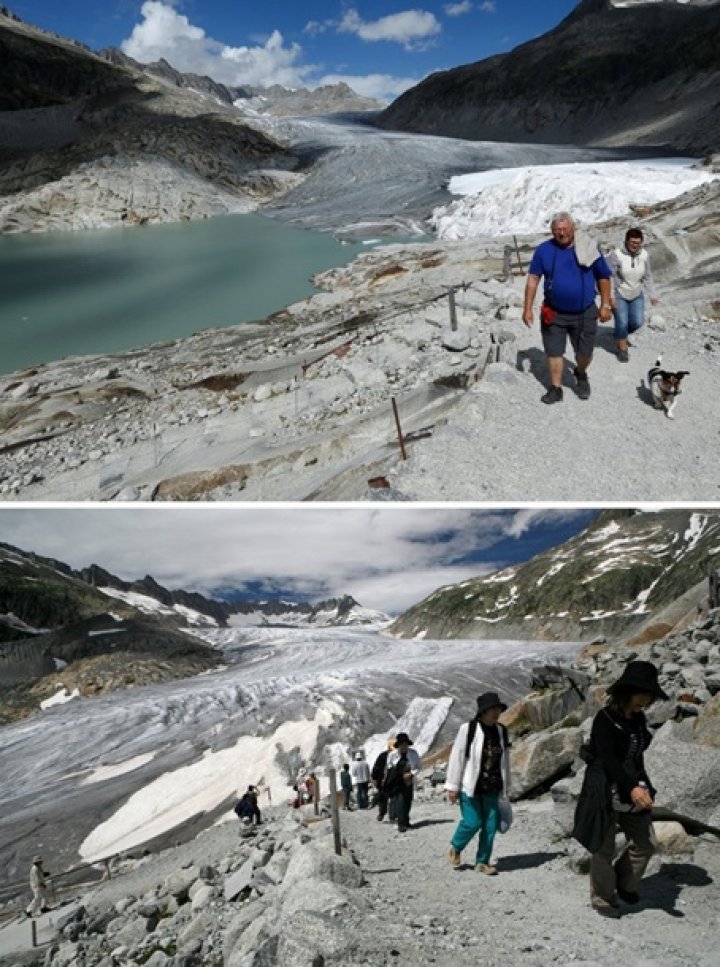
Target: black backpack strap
472,729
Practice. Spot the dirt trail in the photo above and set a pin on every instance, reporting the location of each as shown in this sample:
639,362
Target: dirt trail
536,911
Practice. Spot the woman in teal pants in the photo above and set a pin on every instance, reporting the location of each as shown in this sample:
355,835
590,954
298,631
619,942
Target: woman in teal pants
478,775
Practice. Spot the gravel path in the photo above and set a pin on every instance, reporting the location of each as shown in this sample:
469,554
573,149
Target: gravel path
502,443
536,911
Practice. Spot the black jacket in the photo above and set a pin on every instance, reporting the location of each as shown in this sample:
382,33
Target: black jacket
610,743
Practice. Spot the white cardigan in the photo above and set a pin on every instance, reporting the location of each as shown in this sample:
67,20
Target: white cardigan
462,773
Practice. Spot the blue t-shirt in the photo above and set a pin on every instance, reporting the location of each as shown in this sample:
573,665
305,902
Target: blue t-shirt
568,286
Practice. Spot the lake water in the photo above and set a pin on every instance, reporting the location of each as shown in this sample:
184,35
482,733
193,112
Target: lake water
72,293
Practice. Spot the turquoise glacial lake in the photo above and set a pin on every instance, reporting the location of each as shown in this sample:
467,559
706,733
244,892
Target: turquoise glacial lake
75,293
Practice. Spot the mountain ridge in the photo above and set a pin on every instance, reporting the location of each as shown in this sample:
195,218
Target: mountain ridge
606,75
648,560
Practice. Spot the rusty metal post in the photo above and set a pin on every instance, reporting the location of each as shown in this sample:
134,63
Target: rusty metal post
507,266
517,250
399,428
453,311
334,811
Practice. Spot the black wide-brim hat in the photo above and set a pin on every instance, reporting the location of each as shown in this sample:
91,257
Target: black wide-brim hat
641,676
489,700
402,737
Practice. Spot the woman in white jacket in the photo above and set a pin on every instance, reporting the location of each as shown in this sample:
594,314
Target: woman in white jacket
631,272
478,775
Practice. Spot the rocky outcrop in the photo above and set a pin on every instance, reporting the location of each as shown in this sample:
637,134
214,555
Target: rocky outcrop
607,75
87,143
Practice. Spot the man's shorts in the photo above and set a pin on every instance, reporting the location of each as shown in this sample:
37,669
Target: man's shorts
581,327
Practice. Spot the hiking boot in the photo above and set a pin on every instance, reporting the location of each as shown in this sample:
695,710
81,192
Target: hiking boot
402,829
454,856
486,868
622,355
553,395
583,385
628,896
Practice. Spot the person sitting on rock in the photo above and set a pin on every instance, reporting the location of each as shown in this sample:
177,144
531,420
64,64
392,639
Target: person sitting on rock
247,806
617,792
38,885
478,773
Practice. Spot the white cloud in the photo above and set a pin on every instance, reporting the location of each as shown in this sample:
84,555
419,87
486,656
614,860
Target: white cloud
384,87
408,28
165,33
489,6
457,9
386,557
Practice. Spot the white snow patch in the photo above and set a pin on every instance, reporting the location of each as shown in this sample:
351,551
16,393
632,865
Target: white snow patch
517,200
60,697
117,769
177,796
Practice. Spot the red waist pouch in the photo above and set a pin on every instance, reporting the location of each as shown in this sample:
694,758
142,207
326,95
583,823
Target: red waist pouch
547,315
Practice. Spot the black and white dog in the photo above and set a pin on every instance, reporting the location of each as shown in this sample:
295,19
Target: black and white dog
665,387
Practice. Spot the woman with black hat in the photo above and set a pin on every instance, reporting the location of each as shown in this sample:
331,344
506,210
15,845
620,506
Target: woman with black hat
403,765
478,773
617,791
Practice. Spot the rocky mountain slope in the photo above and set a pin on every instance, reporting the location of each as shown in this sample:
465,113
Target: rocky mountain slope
609,74
275,100
88,142
63,630
609,580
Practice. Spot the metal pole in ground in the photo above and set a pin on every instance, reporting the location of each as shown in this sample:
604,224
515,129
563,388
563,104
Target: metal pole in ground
517,250
33,931
316,797
453,312
399,428
334,812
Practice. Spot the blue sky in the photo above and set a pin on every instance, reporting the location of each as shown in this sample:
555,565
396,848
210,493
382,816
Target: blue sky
387,557
379,47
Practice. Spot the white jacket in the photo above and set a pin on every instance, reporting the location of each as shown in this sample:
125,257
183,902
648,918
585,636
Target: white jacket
360,771
462,773
630,273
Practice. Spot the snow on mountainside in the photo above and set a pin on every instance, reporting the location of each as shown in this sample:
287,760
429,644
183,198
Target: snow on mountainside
608,580
148,605
66,633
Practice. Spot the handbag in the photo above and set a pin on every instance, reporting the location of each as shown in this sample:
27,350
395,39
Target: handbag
506,815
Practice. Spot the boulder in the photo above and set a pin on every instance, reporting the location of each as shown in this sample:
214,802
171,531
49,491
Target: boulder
685,773
706,727
541,757
672,838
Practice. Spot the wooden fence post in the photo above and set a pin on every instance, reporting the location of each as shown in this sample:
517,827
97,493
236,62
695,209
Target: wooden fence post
334,812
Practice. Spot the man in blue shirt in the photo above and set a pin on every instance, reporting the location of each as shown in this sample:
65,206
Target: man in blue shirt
572,279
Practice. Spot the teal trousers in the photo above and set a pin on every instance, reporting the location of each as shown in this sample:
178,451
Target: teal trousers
478,814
